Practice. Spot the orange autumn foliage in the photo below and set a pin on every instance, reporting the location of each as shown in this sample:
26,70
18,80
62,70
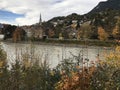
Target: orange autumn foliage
76,80
102,35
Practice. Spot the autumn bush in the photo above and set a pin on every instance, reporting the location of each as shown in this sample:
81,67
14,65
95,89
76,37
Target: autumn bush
70,74
2,57
23,75
76,80
74,76
107,74
30,78
103,75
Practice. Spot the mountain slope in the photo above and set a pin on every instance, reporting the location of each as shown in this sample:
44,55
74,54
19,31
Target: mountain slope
110,4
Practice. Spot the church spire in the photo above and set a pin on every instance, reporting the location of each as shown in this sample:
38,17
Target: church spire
40,20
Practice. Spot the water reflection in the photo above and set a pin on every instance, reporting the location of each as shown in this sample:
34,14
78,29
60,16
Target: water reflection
53,54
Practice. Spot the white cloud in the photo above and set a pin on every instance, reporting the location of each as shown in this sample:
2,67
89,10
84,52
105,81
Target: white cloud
8,22
48,8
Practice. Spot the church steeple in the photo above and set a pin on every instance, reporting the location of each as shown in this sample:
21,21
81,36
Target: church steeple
40,20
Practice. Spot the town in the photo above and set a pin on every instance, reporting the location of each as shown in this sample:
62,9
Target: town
61,48
71,27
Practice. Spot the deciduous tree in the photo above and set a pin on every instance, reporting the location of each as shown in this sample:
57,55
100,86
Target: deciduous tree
116,30
102,35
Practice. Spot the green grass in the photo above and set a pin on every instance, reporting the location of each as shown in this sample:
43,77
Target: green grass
76,42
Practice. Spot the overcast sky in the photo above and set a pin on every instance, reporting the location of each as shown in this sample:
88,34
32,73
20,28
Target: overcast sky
26,12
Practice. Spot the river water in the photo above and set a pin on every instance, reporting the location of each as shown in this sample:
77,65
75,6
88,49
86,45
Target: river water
53,54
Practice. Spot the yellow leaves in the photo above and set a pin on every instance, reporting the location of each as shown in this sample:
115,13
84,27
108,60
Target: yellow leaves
60,34
113,58
77,67
74,80
27,64
2,58
73,25
1,64
59,85
116,30
110,56
52,73
102,34
117,49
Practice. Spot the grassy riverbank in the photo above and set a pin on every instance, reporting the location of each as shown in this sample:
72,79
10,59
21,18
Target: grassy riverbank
83,42
76,43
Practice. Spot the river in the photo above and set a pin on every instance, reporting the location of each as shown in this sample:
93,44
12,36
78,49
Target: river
53,54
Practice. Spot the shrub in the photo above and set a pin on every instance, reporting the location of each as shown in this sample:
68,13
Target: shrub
107,72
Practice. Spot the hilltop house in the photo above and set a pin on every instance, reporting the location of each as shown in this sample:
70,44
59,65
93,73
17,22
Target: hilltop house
74,21
55,23
69,32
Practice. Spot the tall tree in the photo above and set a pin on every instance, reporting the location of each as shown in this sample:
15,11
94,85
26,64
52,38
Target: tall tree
116,30
102,35
51,33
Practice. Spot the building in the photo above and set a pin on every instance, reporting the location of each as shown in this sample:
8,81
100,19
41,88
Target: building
1,28
35,31
40,20
1,32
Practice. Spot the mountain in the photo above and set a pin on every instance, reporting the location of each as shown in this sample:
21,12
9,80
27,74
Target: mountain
109,4
73,16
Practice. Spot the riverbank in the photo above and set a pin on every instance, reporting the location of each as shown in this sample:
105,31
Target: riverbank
75,42
71,43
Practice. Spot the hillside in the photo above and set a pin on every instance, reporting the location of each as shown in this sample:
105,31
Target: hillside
105,14
110,4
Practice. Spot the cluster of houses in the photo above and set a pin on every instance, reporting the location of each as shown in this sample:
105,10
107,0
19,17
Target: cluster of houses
34,31
8,32
37,31
19,33
71,31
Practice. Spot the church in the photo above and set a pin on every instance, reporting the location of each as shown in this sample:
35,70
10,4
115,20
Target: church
35,31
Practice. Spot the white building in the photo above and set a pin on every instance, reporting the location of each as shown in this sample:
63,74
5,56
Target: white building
1,36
